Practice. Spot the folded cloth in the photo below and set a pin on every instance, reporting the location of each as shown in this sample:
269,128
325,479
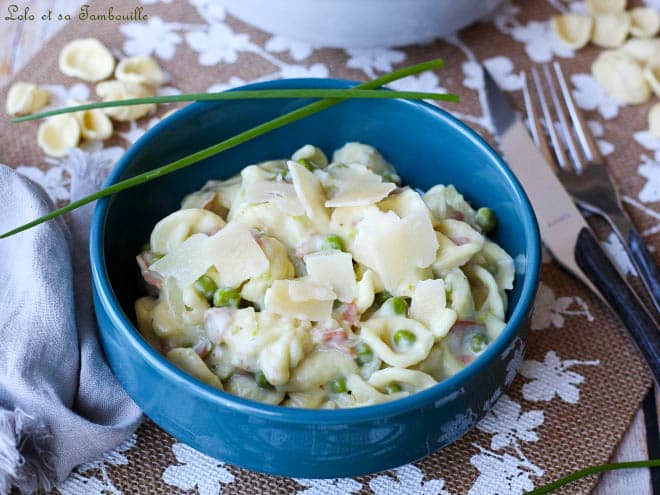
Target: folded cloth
60,405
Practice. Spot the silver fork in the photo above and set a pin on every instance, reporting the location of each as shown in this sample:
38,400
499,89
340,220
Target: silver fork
583,171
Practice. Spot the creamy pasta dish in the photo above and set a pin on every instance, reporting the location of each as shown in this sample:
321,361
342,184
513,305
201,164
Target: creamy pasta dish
318,284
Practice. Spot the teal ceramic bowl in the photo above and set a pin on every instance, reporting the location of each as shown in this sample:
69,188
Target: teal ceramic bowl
428,147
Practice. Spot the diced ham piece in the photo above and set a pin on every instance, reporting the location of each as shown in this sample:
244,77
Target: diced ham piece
216,322
203,348
144,260
349,314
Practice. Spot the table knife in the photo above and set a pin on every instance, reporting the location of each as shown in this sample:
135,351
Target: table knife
563,228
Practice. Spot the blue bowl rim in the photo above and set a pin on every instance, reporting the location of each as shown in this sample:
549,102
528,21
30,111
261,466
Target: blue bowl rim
122,323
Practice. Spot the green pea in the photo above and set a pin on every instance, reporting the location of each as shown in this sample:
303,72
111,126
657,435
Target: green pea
399,305
486,219
206,287
392,388
226,296
478,343
338,385
332,242
364,353
306,163
404,338
381,297
261,380
336,304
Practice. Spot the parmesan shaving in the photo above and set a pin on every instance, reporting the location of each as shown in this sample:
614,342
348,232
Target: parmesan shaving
281,194
428,306
310,193
334,269
278,300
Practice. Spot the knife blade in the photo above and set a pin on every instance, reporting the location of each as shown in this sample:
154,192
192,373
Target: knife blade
559,219
563,228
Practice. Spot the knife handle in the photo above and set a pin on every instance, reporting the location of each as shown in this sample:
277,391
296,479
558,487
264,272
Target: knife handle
640,324
646,266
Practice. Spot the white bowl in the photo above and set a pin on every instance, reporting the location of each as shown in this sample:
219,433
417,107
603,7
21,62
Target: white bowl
361,23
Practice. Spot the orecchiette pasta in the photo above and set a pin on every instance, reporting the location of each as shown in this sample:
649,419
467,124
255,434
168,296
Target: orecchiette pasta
654,120
268,286
621,76
140,70
606,6
611,29
24,98
120,90
645,22
87,59
94,124
573,30
57,134
642,50
652,74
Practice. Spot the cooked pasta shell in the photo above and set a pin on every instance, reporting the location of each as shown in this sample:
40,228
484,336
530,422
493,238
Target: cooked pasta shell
171,231
610,29
57,134
411,380
621,76
140,70
573,30
645,22
87,59
652,74
24,98
189,361
654,120
642,50
94,124
119,90
604,6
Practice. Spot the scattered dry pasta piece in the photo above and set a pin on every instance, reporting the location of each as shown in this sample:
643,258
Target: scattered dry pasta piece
86,59
605,6
621,76
611,30
140,70
119,90
24,98
573,30
94,124
652,74
654,120
642,50
645,22
57,134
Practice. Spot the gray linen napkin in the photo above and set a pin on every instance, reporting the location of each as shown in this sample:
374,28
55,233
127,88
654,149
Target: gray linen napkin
60,405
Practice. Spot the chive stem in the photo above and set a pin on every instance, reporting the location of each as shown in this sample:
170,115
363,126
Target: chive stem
232,142
247,95
593,470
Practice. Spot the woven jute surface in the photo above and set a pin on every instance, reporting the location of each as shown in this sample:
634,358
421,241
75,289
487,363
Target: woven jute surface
584,410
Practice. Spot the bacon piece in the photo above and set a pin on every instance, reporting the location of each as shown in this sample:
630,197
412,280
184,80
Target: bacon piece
144,260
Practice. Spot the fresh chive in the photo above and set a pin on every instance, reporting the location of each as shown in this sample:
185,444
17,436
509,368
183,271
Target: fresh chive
232,142
247,95
593,470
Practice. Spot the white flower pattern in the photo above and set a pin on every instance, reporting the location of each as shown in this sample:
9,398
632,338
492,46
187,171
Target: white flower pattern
218,43
502,474
617,253
152,37
336,486
299,50
550,310
540,42
552,378
589,95
508,425
371,60
409,480
196,472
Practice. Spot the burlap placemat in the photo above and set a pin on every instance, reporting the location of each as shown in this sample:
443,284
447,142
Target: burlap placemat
581,380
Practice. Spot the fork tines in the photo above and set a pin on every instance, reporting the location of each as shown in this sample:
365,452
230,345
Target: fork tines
573,147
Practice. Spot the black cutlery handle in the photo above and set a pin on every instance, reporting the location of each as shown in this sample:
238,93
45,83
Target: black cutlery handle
646,266
641,326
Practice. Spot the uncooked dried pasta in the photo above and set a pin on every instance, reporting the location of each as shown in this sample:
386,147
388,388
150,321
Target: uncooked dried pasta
261,287
642,50
94,124
654,120
120,90
645,22
24,98
652,74
573,30
621,76
87,59
140,70
611,29
606,6
57,134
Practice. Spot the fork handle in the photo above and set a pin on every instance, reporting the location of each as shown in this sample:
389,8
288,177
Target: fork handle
645,265
640,324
